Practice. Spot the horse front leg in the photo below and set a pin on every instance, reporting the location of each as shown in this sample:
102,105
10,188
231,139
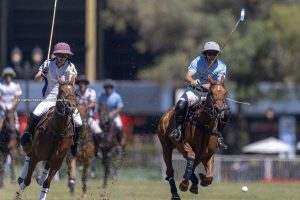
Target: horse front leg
189,167
23,183
71,162
193,178
209,167
40,180
106,161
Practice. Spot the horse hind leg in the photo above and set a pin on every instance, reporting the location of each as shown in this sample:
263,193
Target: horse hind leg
167,155
72,174
13,152
173,188
2,158
195,182
40,180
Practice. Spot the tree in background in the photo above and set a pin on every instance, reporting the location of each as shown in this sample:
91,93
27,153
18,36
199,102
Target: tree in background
264,48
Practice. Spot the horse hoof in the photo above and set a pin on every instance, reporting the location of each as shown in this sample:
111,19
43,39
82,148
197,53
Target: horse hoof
21,183
184,185
20,180
84,195
104,186
175,197
194,189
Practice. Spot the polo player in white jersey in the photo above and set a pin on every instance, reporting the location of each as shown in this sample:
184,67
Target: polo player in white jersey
87,95
10,92
51,70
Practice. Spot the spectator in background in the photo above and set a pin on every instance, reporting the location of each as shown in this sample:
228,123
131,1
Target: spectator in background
10,92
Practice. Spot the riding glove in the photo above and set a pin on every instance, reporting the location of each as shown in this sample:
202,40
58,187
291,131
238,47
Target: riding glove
45,68
195,83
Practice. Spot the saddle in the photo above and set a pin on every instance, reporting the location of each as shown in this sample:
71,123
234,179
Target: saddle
46,117
193,115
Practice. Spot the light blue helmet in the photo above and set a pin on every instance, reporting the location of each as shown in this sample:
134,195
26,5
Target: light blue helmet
8,71
211,46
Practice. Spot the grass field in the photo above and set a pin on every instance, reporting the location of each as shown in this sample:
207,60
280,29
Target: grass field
139,188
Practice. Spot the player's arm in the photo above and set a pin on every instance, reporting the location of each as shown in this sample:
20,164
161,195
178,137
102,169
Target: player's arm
38,76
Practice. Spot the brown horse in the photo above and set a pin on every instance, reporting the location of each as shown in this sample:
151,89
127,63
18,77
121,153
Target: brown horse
110,148
53,136
85,154
9,142
200,141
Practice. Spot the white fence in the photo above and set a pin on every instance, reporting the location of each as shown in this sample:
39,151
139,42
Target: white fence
244,168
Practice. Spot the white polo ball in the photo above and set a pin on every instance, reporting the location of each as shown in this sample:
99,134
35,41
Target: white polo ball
245,189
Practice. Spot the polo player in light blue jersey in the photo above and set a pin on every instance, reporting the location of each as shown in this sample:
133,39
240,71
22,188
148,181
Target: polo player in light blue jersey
115,104
197,75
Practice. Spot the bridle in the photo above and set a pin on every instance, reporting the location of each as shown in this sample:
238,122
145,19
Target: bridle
67,106
210,105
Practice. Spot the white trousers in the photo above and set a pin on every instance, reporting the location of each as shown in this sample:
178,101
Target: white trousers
192,96
118,122
47,103
94,125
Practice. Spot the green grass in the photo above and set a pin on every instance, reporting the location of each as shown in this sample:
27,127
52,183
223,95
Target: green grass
143,189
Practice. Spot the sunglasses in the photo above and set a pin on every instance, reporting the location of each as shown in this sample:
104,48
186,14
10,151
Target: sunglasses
211,53
62,55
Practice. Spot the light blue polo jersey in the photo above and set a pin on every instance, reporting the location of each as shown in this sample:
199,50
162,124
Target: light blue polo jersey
113,101
199,65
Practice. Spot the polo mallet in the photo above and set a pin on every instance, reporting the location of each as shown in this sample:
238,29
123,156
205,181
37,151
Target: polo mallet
242,18
52,27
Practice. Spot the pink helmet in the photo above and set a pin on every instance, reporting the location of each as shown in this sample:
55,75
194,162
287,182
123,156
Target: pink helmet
62,48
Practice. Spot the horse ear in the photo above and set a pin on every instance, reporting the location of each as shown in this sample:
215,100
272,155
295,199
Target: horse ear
210,79
72,81
222,80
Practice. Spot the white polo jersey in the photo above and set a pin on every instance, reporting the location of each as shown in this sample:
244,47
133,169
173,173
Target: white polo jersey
9,92
86,98
51,82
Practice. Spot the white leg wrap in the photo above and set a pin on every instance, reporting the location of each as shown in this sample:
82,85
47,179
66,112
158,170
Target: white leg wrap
22,185
43,177
25,167
44,193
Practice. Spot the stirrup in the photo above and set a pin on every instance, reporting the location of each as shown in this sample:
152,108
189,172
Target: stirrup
26,139
221,144
176,135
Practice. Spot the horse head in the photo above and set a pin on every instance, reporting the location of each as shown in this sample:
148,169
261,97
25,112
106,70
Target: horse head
216,97
66,98
107,125
105,121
